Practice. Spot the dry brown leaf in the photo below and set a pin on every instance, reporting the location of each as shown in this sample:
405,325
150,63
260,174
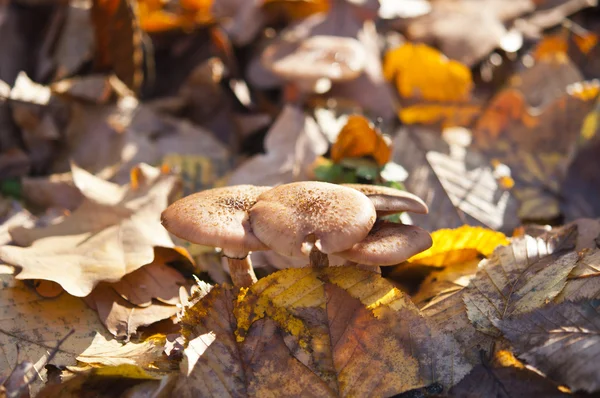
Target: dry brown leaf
447,311
329,332
459,187
122,318
562,340
292,145
113,353
153,281
451,279
467,31
111,234
109,381
519,278
535,148
109,140
506,380
119,41
36,324
584,280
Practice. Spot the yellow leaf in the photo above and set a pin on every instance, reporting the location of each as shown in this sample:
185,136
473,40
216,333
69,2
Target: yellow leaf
358,138
455,246
420,71
333,331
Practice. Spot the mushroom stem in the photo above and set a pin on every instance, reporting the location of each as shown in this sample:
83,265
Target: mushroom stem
241,271
318,258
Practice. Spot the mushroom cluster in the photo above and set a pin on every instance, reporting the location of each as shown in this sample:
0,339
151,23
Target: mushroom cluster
302,219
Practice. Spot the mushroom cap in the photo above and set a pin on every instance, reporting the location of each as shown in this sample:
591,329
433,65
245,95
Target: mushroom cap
389,200
291,218
317,57
216,217
388,243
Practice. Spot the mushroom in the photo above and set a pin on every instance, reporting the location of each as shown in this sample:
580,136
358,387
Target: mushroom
311,218
388,243
219,217
315,62
390,200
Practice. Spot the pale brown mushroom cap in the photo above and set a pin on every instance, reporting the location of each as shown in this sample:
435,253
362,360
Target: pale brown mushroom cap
216,217
389,200
290,217
388,243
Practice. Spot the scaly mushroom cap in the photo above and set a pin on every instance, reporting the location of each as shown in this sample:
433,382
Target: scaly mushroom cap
390,200
216,217
388,243
292,217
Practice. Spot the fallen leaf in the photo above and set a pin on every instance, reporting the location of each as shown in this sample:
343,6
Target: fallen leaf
122,318
321,330
292,144
455,246
506,381
105,382
562,340
432,88
119,41
584,280
98,241
156,280
520,278
452,278
359,138
113,353
536,149
459,187
294,9
32,325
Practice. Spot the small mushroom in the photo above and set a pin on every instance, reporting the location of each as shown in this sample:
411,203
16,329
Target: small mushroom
315,62
390,200
388,243
293,219
219,218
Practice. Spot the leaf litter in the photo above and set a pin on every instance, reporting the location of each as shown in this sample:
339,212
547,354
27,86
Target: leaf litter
112,110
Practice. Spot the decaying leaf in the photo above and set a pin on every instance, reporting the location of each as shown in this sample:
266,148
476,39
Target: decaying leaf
330,331
520,278
562,340
111,234
584,280
455,246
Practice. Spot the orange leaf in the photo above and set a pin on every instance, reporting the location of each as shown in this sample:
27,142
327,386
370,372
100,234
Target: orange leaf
358,138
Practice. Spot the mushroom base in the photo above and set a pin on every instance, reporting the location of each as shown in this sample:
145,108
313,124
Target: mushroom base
241,272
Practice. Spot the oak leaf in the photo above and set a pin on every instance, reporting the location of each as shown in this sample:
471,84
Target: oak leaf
111,234
31,325
329,332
